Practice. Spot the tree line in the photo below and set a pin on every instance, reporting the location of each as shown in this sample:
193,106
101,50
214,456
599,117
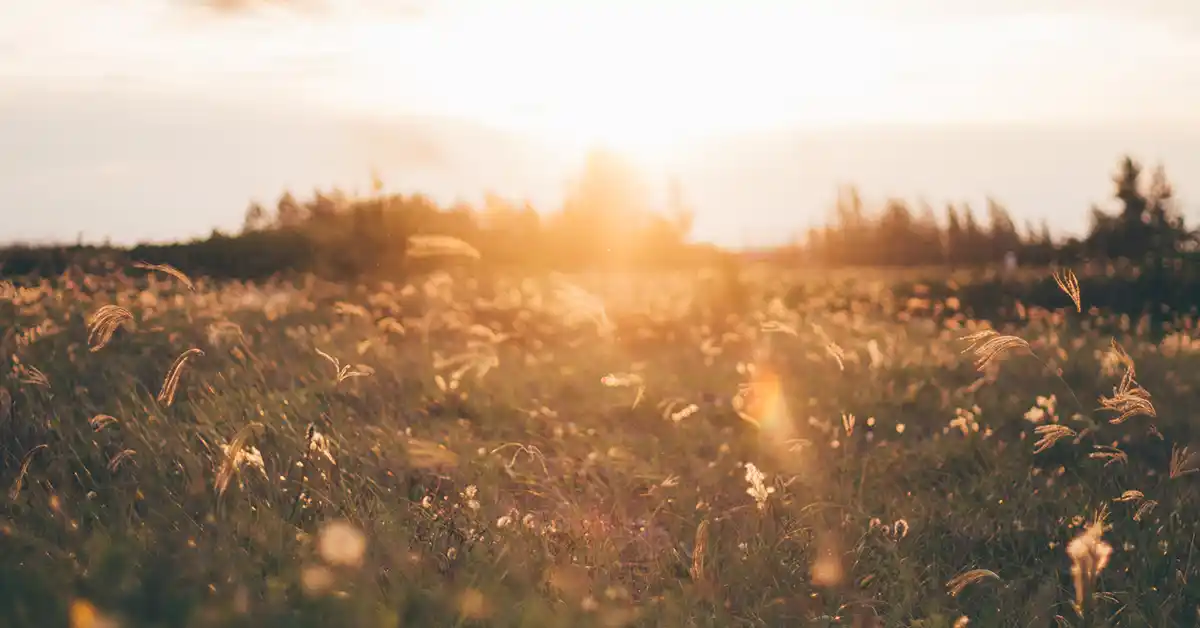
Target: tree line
607,222
1146,226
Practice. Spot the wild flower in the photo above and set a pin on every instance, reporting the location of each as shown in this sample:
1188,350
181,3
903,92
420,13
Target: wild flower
758,488
966,420
318,445
1043,410
469,495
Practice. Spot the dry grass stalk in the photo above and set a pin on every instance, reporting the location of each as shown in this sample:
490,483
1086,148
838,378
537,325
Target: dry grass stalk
1109,455
1089,555
1183,462
33,375
237,454
699,551
1129,399
1144,509
15,491
988,345
166,396
1130,496
169,270
99,421
118,459
960,582
347,371
1128,403
1050,434
104,323
1069,283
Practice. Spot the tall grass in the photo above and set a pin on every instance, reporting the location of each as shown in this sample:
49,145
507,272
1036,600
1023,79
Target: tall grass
556,452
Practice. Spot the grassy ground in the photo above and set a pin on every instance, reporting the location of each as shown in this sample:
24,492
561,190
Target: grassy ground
505,452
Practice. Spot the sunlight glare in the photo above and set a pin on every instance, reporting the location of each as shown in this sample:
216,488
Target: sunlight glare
643,81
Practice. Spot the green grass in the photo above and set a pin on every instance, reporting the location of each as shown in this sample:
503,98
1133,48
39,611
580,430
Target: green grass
585,507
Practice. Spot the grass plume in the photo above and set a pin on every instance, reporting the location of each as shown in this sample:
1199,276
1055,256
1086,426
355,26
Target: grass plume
167,269
104,323
166,395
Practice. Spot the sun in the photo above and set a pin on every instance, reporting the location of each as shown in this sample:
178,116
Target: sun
641,79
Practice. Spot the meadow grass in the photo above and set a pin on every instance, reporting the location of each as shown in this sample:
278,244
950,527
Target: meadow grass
608,451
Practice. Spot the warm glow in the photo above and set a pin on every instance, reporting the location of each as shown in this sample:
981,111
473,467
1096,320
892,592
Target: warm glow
642,80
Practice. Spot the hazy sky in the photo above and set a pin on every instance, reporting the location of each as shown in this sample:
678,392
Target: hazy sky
162,118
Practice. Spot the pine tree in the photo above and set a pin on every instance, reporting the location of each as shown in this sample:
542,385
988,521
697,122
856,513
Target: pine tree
956,244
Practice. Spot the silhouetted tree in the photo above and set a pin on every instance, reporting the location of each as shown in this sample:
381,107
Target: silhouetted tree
956,241
288,214
975,240
896,235
1148,226
256,219
1002,233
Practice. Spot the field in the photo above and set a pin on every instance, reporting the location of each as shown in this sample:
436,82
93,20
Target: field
469,449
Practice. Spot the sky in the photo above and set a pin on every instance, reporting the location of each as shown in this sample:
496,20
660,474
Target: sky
162,119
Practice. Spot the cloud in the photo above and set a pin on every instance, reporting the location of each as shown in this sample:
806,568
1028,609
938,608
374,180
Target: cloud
379,8
1174,14
250,6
